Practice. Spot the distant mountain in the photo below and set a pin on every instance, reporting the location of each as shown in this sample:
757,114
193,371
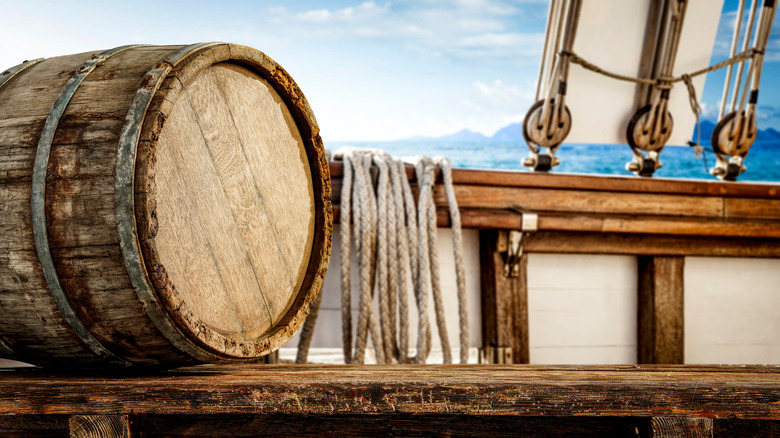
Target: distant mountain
769,134
513,132
462,135
706,130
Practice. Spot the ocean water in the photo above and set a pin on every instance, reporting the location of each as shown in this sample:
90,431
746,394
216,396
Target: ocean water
763,162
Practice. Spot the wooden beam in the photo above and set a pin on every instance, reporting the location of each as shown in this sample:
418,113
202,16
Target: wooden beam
504,301
645,244
661,312
576,200
278,425
525,179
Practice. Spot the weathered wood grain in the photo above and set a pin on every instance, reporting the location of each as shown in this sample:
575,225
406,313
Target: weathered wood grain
511,390
99,426
669,427
33,426
661,310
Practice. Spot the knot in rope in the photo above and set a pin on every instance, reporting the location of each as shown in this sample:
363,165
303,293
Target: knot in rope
665,82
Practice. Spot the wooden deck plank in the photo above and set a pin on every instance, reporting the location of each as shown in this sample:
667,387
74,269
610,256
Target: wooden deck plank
512,390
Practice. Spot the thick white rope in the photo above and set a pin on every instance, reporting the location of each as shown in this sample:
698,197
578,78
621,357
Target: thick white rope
307,332
395,239
457,248
402,267
382,262
365,243
433,254
346,241
422,282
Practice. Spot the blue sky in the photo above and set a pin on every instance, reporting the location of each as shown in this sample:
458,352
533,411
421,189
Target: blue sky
371,70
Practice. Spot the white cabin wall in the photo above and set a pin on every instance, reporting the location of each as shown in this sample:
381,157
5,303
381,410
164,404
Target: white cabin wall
328,328
732,310
582,309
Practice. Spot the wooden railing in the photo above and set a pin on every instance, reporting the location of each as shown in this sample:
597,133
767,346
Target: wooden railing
659,220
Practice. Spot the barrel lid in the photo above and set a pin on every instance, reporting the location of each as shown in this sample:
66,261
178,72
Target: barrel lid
232,202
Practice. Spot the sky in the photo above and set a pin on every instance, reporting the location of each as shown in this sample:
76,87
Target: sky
371,70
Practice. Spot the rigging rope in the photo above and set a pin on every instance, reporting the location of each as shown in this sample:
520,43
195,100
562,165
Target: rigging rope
747,54
395,238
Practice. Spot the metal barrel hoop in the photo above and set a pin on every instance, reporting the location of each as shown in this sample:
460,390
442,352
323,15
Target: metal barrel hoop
38,206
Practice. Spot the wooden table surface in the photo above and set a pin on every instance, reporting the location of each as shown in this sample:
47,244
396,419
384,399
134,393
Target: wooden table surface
266,394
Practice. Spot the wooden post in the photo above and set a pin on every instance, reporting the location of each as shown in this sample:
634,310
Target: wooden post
101,426
661,335
663,427
504,304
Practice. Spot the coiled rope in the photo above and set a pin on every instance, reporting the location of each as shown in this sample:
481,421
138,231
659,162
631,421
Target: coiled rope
395,240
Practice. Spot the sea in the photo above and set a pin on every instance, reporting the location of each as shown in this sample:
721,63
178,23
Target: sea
763,161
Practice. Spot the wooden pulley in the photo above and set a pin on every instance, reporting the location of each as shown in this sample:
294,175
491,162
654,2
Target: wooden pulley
734,135
647,136
539,130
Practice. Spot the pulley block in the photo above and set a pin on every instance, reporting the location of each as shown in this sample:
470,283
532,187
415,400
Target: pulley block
546,129
644,134
734,134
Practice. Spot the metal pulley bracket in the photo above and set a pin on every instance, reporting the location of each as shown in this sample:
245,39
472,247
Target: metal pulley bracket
510,244
644,166
490,355
541,162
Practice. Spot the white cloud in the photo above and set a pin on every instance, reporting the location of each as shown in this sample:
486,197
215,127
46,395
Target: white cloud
499,92
364,11
463,29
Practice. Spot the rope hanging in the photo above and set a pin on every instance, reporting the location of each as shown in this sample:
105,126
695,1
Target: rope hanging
395,240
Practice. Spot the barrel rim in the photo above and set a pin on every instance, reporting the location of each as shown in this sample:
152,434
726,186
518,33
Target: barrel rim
177,323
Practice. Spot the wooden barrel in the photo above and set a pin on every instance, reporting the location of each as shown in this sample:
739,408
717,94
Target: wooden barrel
159,205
